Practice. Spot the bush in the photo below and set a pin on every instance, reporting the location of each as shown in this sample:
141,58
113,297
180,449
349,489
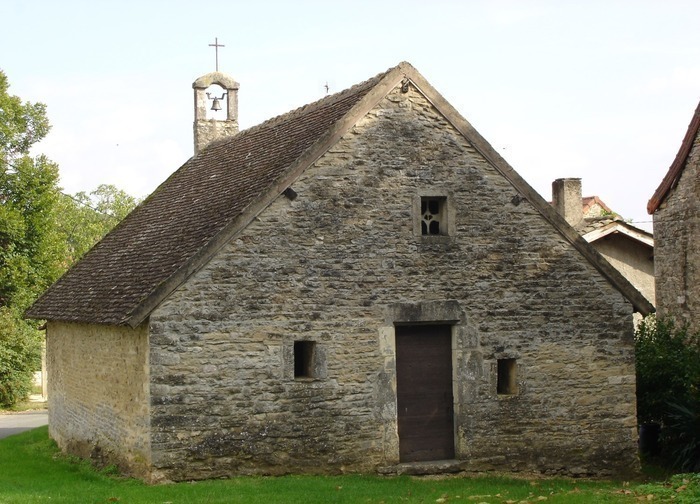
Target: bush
668,368
682,435
20,356
668,387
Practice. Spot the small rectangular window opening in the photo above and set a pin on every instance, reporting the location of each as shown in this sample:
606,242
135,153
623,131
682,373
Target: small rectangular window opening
507,377
433,218
304,359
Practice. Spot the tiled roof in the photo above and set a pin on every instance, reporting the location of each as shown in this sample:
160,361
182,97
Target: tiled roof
589,224
676,168
218,192
600,227
185,213
595,226
589,202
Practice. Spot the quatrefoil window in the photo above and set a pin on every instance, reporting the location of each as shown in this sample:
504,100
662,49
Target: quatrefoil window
432,216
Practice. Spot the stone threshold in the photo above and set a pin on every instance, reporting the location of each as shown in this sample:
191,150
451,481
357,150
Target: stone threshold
423,468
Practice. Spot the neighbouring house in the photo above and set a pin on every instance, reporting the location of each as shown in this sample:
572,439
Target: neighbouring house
675,208
361,284
628,248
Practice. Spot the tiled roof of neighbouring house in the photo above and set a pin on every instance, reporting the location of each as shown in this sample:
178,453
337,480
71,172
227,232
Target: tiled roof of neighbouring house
676,168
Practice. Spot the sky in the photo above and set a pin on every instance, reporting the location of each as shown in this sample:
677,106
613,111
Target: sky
599,90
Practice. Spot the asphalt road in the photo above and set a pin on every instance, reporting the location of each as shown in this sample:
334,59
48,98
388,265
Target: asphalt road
14,423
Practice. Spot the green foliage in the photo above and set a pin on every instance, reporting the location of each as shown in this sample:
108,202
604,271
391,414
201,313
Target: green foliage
21,124
682,435
20,354
31,251
42,232
668,368
87,217
668,388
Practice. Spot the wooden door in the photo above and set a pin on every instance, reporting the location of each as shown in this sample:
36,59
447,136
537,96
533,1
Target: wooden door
424,392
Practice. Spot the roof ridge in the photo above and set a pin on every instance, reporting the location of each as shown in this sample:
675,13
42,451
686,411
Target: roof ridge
326,100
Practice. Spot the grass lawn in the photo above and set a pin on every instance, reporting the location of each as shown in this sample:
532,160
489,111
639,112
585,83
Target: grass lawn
33,471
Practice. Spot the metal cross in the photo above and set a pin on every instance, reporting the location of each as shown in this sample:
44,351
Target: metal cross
216,46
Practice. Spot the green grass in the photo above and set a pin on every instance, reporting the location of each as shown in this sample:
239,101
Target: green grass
33,471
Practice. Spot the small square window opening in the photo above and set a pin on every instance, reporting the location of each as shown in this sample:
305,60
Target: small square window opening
433,218
507,377
304,359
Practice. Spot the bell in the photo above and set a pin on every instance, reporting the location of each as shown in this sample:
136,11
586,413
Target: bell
216,105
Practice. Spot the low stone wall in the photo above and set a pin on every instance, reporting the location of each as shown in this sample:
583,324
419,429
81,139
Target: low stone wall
98,395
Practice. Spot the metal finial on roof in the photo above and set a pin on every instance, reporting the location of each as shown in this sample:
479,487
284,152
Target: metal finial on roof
216,46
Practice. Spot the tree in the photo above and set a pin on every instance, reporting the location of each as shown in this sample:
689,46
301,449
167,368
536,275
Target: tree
42,232
20,355
31,253
21,124
87,217
668,389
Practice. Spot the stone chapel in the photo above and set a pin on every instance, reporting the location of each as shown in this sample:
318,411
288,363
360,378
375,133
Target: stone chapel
360,285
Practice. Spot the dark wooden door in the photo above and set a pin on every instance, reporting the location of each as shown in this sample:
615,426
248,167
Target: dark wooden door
424,392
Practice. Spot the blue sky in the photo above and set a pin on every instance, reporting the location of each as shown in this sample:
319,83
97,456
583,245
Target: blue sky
601,90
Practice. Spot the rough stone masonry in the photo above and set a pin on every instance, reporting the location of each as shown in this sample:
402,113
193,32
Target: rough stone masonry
278,353
329,266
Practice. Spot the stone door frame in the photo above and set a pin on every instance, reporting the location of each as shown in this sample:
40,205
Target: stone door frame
448,312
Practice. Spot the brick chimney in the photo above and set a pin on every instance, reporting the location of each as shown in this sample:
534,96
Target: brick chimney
208,130
566,199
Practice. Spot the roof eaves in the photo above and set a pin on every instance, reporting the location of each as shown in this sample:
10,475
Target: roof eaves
632,232
676,168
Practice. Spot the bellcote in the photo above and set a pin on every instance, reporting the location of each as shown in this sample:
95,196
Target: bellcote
214,88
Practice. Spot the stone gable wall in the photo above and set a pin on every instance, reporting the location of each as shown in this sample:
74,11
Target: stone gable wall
98,393
634,261
677,247
341,264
